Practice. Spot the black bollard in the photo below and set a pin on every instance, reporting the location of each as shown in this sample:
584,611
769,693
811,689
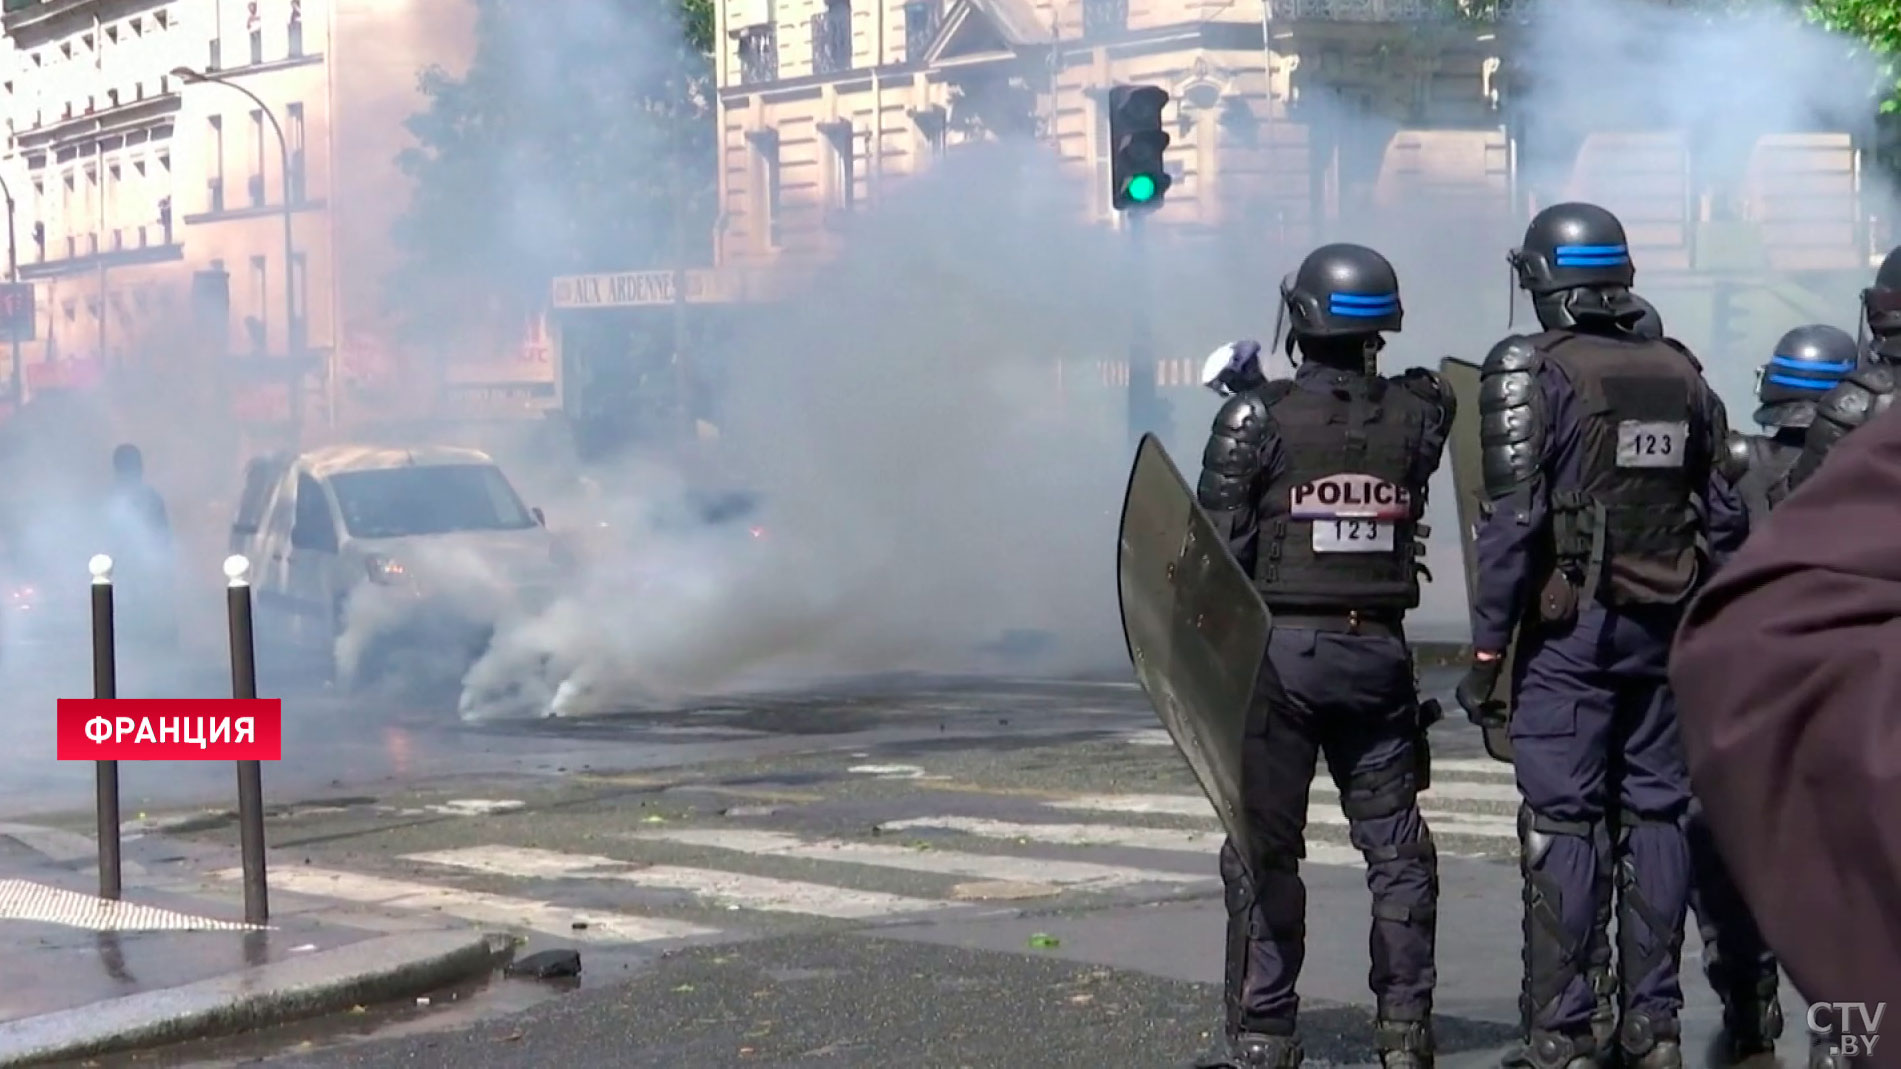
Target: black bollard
105,684
257,908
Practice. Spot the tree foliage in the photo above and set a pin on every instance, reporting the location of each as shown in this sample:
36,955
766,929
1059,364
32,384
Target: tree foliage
1877,24
578,139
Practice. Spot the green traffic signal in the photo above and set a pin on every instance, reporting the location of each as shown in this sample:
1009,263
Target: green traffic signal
1141,188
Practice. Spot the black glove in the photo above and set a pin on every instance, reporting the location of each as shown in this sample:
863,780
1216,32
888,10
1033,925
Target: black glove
1475,693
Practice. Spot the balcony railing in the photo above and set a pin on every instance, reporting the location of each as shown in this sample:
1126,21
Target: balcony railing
922,18
1402,10
831,40
1105,17
758,55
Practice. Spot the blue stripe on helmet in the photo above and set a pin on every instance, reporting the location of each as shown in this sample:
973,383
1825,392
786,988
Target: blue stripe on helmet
1795,383
1590,256
1363,305
1842,367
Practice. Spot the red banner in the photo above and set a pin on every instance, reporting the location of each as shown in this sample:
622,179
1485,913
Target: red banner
171,729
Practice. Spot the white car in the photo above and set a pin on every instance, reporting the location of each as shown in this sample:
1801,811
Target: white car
362,553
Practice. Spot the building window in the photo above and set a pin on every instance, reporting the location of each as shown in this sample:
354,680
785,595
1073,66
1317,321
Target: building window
214,162
254,324
758,55
294,113
109,192
921,21
1102,17
95,204
831,38
256,28
300,302
216,63
294,33
257,158
769,160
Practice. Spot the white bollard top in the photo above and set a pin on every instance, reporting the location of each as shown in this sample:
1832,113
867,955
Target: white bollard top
236,568
101,568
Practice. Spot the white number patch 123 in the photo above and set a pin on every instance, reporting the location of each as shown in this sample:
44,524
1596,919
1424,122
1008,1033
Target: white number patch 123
1651,444
1353,536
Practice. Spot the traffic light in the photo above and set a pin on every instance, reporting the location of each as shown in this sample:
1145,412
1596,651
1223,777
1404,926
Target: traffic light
1137,180
1730,322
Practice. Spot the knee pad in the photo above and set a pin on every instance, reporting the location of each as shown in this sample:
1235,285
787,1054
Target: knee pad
1636,914
1553,955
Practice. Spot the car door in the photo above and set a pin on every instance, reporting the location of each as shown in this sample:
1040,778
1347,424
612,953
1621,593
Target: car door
313,562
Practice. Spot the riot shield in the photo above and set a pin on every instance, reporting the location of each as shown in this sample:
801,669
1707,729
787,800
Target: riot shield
1468,482
1195,626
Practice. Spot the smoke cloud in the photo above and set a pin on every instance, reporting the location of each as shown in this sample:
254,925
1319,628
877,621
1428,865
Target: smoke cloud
937,463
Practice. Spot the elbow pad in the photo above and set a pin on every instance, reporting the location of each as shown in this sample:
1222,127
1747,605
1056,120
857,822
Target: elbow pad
1511,425
1236,451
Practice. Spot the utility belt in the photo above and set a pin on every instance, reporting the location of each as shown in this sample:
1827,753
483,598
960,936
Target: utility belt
1380,624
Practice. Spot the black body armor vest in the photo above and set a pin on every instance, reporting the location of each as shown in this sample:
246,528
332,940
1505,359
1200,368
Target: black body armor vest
1340,523
1645,456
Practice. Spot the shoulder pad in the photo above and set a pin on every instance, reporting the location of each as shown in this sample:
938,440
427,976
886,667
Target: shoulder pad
1734,460
1851,401
1873,378
1422,383
1245,417
1685,350
1516,353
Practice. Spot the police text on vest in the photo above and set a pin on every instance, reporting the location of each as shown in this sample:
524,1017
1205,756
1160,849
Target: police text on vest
1350,513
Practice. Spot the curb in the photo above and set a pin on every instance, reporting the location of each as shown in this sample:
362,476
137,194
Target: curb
374,970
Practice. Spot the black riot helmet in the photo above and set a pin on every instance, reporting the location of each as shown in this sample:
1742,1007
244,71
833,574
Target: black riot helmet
1881,302
1341,291
1573,246
1807,361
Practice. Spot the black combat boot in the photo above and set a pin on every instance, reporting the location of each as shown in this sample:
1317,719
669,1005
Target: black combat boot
1258,1050
1646,1042
1752,1019
1404,1044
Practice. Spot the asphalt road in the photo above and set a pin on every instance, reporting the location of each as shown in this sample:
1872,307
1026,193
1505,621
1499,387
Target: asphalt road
941,876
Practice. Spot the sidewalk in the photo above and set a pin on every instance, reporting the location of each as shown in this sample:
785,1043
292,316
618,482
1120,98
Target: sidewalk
173,961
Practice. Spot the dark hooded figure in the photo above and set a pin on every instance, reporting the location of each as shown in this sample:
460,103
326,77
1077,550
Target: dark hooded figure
1789,674
1600,448
1320,482
1807,363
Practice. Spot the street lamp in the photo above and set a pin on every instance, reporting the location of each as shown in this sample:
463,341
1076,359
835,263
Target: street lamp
291,348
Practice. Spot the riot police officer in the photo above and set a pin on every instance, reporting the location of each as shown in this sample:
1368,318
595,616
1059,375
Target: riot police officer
1808,361
1320,483
1599,449
1807,364
1868,389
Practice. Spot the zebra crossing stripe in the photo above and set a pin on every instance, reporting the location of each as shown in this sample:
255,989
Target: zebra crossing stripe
1075,874
726,890
24,900
1202,843
1326,813
594,926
